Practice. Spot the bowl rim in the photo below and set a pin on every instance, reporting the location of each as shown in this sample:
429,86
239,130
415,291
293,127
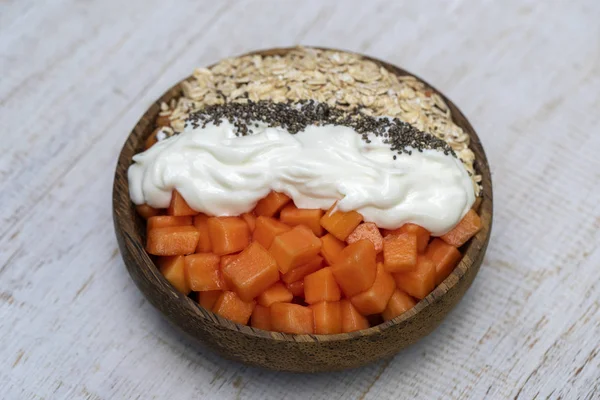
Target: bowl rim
126,223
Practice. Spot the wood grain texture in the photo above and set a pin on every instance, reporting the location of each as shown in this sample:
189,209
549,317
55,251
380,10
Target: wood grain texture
279,351
76,76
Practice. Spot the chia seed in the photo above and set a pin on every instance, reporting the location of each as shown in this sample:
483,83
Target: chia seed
296,116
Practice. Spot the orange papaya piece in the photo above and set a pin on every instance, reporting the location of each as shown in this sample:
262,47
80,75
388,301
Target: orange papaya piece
355,270
228,234
352,320
226,259
339,223
327,316
400,252
418,282
445,257
230,306
173,269
251,272
311,218
209,298
266,229
398,304
250,219
179,207
201,223
277,293
271,205
423,234
163,221
291,318
293,248
261,318
331,247
321,286
300,272
375,299
369,231
203,272
468,226
172,241
297,288
152,139
145,211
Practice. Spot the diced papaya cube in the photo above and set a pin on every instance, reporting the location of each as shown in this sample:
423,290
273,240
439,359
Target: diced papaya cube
293,248
291,318
146,211
331,247
297,288
339,223
266,230
321,286
179,207
277,293
300,272
422,235
445,257
201,223
352,320
261,318
356,269
173,269
369,231
163,221
226,259
230,306
152,139
419,282
271,205
203,272
209,298
250,219
465,230
172,241
327,317
311,218
251,272
400,252
398,304
374,299
228,234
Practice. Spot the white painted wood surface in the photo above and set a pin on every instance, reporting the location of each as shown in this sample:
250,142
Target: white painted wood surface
75,77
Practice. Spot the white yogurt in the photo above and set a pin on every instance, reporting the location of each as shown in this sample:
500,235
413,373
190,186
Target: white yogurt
221,174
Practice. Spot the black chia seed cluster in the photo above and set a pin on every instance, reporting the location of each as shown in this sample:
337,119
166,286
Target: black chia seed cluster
296,116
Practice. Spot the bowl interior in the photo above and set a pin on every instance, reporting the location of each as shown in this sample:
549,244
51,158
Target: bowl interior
131,233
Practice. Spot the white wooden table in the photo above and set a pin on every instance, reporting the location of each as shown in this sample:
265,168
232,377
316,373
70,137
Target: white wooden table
76,75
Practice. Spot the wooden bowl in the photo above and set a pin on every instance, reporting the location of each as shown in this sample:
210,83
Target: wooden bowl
278,351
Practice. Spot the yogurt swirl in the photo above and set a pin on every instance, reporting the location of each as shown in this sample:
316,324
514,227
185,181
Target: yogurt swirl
221,174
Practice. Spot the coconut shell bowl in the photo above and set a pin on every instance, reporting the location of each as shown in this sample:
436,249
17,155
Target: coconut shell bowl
279,351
